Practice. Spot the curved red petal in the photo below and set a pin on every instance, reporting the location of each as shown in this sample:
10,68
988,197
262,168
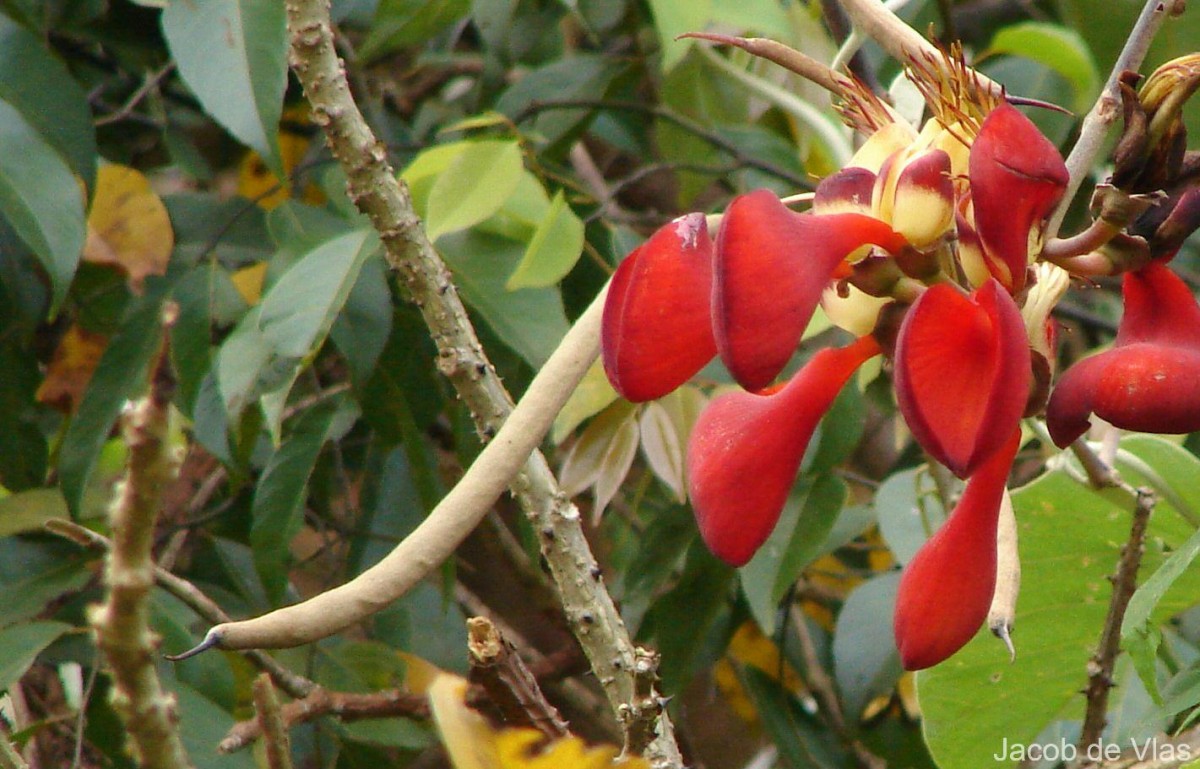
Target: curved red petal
657,326
1159,308
1148,381
1017,176
770,267
745,449
962,373
947,587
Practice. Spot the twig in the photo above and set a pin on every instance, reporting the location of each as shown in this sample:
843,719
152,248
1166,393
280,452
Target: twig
680,121
642,713
9,757
374,188
291,682
1108,106
1100,474
121,623
322,702
270,722
1102,663
825,690
510,686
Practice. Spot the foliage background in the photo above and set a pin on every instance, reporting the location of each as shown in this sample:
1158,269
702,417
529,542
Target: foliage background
542,139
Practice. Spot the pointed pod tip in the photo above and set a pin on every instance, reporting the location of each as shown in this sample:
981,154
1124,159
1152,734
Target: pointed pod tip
212,640
1003,631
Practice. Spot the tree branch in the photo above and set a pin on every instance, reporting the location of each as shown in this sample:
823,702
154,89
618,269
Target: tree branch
373,187
122,622
496,666
270,721
1107,108
1100,667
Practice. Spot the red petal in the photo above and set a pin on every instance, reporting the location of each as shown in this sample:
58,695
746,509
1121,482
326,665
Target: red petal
745,449
947,587
962,373
1017,177
657,328
1149,380
847,191
770,268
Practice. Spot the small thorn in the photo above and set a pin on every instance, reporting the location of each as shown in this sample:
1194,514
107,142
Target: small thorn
1002,632
211,640
1026,101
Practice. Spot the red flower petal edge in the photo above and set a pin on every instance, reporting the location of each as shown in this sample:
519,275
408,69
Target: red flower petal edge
962,372
1017,176
1149,380
657,326
745,449
770,268
947,587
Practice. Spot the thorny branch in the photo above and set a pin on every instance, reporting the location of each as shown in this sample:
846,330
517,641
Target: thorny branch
496,666
1103,662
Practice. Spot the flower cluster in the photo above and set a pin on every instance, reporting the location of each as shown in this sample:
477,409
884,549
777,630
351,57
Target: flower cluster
926,247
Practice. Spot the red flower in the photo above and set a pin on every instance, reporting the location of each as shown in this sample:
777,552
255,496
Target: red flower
745,450
657,328
771,266
1150,379
1017,178
947,587
962,373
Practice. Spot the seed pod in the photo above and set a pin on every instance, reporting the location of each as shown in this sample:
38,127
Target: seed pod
1008,577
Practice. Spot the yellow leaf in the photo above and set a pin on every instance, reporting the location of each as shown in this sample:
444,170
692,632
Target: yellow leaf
128,226
473,744
71,368
258,183
249,282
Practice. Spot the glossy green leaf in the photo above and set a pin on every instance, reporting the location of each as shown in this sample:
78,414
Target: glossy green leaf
1069,538
41,199
531,321
203,724
32,575
1059,48
592,396
553,250
40,87
279,497
865,659
248,368
120,376
362,327
21,644
299,309
473,187
233,55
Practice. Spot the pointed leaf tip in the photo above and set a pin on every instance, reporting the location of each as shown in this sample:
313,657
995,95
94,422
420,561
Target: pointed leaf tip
657,327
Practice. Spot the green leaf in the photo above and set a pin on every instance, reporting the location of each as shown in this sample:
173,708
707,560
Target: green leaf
21,644
553,250
1070,537
673,18
233,55
865,658
120,376
401,23
32,575
362,327
1061,49
592,396
278,507
909,510
35,83
30,510
203,724
802,743
531,321
473,187
40,199
299,309
800,536
580,76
